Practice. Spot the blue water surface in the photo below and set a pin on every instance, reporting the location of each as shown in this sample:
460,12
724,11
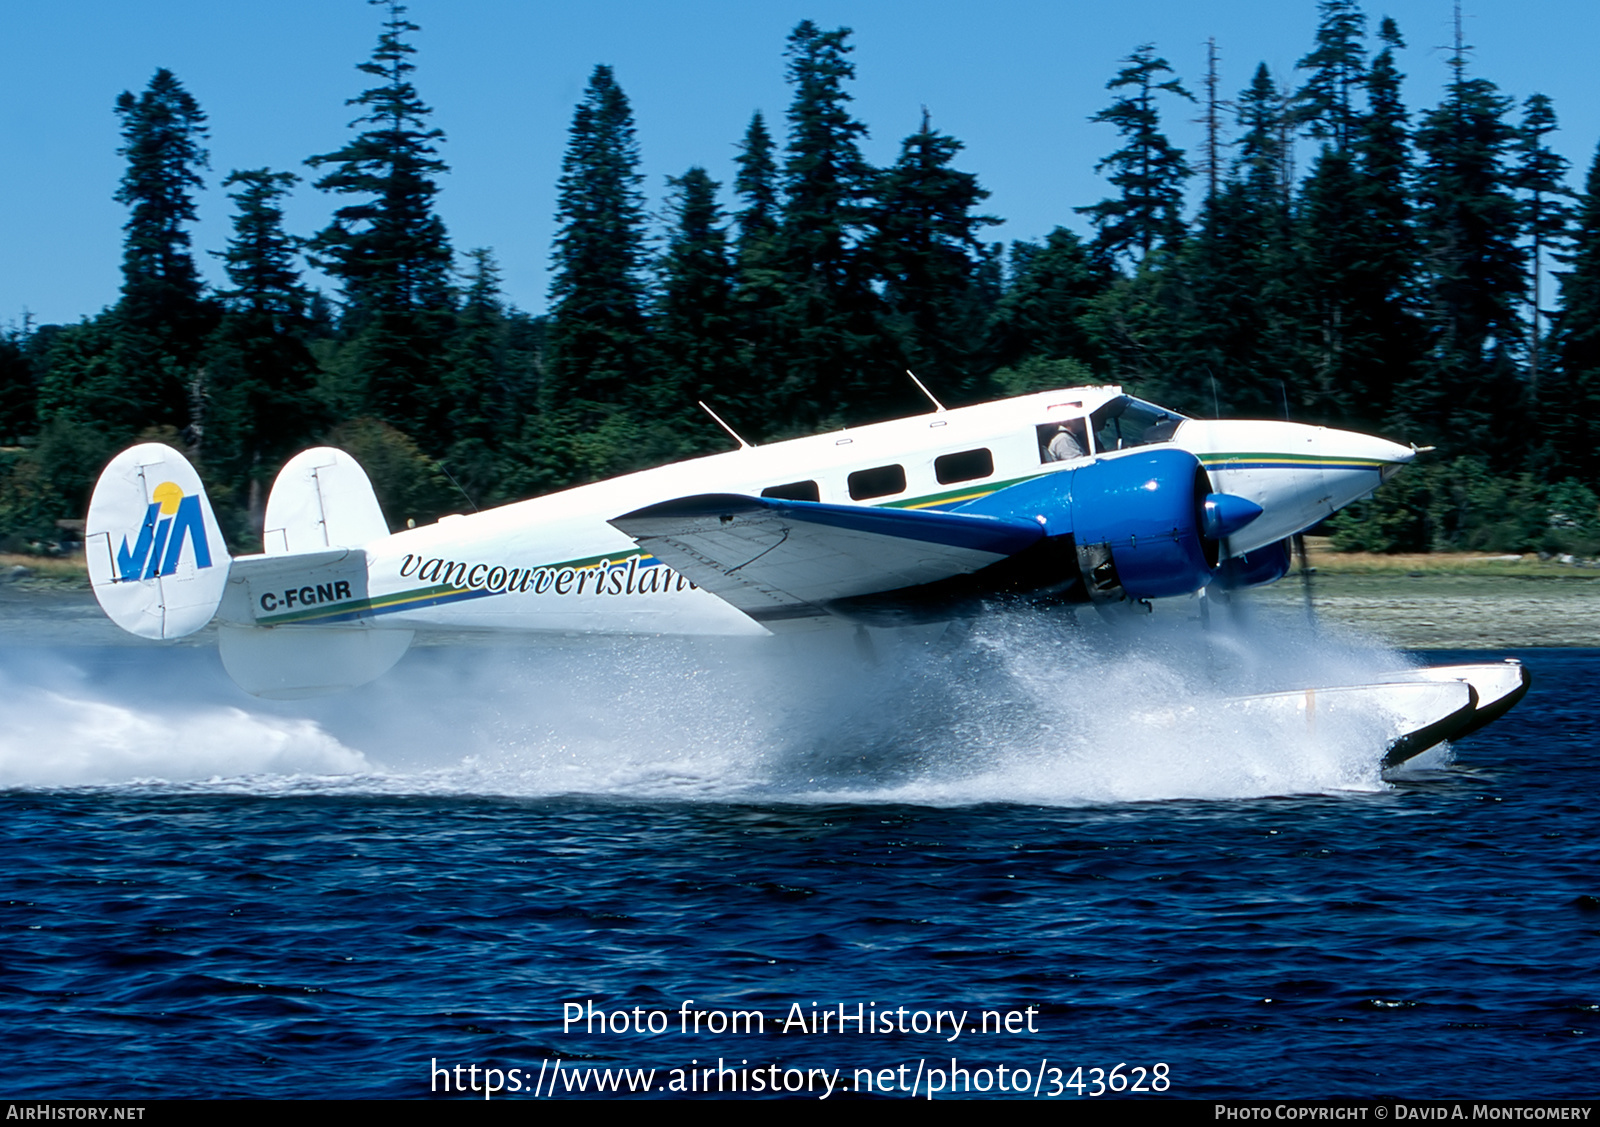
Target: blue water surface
337,925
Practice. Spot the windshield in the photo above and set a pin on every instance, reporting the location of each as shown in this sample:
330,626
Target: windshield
1126,421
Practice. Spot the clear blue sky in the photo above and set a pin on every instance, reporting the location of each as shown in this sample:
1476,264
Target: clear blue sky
1016,81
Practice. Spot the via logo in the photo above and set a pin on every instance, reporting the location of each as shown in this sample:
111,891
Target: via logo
171,519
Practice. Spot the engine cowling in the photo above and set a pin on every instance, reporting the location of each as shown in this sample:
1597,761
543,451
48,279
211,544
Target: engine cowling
1138,521
1144,524
1255,569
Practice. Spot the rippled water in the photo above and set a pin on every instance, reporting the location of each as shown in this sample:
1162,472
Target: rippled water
210,895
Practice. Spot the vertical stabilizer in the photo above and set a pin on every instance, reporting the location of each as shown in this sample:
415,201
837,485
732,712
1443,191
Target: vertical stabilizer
321,499
156,557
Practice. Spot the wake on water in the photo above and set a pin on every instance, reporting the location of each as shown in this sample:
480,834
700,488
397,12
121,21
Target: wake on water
1023,706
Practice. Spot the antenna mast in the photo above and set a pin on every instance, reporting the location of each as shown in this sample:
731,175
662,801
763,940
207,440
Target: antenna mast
718,420
937,406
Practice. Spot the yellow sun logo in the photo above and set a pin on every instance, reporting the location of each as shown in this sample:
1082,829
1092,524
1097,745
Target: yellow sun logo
167,495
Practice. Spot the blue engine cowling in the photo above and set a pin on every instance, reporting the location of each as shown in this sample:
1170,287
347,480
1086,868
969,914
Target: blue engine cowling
1139,521
1253,569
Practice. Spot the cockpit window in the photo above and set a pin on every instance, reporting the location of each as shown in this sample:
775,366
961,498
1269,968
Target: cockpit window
1126,422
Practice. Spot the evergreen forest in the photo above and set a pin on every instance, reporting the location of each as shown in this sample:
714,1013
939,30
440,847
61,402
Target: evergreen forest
1329,253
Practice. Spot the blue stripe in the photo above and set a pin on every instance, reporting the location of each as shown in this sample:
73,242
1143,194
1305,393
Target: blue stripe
1220,463
1002,536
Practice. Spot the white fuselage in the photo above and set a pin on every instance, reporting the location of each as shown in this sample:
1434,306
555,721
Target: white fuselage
553,563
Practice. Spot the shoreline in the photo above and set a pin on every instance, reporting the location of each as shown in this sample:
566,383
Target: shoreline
1408,611
1450,612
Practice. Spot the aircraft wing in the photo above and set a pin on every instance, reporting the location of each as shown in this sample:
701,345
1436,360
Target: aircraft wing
780,560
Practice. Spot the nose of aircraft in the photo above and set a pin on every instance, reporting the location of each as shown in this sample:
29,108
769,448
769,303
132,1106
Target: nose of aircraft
1297,473
1355,464
1355,451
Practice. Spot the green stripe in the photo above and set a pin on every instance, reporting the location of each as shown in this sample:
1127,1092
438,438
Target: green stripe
1289,459
422,594
966,493
357,606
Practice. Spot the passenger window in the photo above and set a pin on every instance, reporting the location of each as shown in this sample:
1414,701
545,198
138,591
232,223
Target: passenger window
879,482
794,491
969,465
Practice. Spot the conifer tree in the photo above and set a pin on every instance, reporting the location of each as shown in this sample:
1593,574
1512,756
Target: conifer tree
492,387
825,176
1326,103
1211,163
1331,239
828,315
599,334
1469,393
163,131
136,366
756,184
1573,416
1331,230
1262,168
259,371
1234,339
162,318
759,290
1147,171
260,258
389,250
1541,182
925,248
694,316
1384,338
1045,310
17,388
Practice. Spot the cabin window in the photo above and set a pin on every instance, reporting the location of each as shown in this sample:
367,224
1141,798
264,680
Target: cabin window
969,465
794,491
880,481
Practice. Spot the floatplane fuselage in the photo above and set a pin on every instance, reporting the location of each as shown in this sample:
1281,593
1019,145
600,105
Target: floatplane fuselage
1080,495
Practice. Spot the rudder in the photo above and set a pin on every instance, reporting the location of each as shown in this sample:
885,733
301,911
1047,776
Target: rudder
156,557
321,499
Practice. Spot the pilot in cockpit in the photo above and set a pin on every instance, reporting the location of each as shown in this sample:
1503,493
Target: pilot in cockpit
1063,441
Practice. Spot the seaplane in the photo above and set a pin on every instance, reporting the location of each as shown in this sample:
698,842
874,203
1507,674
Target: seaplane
1084,496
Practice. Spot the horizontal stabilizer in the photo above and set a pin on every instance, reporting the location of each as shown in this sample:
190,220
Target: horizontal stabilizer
299,625
291,662
782,560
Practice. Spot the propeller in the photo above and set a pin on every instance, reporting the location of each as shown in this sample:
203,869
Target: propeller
1298,542
1306,572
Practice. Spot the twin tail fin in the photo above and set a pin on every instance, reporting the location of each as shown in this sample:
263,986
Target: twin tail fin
160,569
156,558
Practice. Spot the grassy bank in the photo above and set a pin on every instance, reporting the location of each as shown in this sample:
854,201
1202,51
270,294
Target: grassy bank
1461,600
68,571
52,572
1459,564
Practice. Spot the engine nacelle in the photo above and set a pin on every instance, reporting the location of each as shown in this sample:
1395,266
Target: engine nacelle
1138,521
1138,524
1253,569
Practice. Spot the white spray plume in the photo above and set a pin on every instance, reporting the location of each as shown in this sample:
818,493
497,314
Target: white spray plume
1023,706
